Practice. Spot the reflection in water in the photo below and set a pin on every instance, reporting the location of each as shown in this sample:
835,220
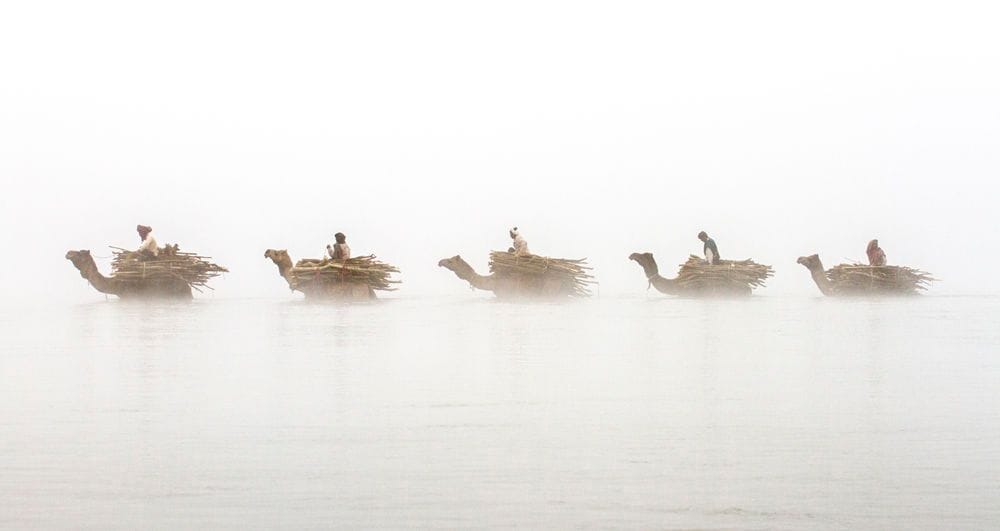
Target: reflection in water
639,413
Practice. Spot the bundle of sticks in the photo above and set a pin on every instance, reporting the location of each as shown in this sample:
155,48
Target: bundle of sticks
866,278
574,272
170,264
363,269
697,273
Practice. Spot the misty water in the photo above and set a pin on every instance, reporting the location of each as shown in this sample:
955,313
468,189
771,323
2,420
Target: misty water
460,411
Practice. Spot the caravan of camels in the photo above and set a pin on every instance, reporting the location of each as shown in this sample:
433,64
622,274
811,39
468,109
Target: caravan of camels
515,274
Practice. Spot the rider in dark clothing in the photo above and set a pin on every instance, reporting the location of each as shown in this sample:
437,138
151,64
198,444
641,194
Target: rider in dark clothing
711,250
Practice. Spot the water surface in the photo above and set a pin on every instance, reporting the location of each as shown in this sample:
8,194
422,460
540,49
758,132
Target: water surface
644,412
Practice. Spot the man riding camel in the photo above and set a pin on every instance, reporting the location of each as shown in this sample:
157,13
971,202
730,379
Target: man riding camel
711,250
876,256
520,247
340,250
148,248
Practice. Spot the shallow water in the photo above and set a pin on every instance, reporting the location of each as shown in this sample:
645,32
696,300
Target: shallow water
645,412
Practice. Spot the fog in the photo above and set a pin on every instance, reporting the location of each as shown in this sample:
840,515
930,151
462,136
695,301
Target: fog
424,130
427,129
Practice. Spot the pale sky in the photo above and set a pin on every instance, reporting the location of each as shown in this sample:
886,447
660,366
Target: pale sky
427,129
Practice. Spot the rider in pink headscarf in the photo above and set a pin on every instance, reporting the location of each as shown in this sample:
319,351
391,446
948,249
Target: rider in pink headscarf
876,256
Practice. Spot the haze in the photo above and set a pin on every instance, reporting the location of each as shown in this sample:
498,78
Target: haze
424,130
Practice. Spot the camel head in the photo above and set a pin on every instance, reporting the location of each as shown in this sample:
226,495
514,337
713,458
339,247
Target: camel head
646,261
277,255
454,263
458,266
280,258
811,262
83,261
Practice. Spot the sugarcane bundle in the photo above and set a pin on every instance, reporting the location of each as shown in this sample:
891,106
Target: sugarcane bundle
865,278
362,270
168,266
574,273
698,274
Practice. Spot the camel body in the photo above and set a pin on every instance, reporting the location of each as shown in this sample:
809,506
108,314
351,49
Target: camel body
131,289
328,291
510,286
669,286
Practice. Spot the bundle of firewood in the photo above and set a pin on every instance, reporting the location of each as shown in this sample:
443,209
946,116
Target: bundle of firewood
864,278
573,272
170,264
363,269
698,274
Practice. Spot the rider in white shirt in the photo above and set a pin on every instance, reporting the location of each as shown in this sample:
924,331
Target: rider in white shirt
148,246
520,244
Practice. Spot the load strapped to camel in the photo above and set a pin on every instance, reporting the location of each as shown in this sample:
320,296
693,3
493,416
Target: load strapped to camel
574,273
698,274
361,270
169,265
848,278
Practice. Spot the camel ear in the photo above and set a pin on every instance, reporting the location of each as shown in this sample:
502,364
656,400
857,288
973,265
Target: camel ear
85,251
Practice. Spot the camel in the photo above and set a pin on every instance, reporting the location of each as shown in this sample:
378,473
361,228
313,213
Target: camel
509,286
815,267
339,291
168,288
857,279
670,286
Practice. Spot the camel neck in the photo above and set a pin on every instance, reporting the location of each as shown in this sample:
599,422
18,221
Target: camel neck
100,282
466,273
663,285
285,270
822,282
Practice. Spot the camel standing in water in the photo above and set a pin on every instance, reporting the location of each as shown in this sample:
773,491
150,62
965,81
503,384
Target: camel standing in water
173,288
510,286
670,286
338,291
858,279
